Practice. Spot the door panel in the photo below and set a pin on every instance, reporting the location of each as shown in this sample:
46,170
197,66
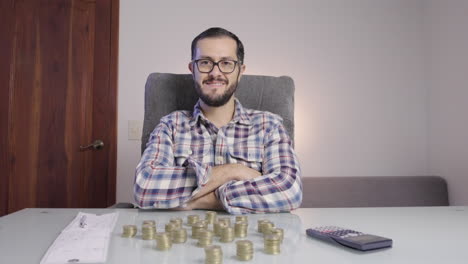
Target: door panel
61,94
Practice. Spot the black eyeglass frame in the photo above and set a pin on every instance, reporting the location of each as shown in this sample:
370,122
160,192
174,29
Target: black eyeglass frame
216,64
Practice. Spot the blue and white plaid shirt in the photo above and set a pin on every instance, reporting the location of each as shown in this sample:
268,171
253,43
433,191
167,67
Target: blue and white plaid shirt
185,145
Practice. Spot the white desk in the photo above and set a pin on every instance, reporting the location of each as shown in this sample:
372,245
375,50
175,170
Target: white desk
420,235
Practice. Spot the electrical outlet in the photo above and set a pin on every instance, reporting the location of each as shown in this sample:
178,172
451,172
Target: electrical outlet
135,128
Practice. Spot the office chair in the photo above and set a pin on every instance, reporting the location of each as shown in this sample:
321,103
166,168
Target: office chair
167,92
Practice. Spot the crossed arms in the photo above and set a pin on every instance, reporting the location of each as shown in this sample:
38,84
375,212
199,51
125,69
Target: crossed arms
165,180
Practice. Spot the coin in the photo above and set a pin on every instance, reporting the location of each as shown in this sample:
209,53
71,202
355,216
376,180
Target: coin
163,241
148,231
149,222
272,244
197,227
205,238
179,236
241,218
240,229
244,250
279,232
129,230
227,234
210,216
213,254
177,221
192,219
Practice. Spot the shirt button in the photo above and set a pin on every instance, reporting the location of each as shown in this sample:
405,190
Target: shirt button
189,152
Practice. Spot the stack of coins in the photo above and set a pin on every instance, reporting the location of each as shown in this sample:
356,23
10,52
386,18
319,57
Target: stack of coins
192,219
217,227
242,218
240,229
227,234
177,221
148,231
260,225
149,222
197,227
179,236
279,232
244,250
210,217
214,255
264,226
205,238
163,241
129,231
225,220
170,227
272,244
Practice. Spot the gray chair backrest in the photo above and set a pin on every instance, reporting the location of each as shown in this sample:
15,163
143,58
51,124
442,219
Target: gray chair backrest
377,191
167,92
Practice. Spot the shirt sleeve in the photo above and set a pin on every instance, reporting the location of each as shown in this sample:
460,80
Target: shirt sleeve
159,182
279,189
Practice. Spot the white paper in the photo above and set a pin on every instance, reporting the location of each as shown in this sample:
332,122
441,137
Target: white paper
87,244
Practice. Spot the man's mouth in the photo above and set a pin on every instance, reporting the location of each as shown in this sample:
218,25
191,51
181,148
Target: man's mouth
215,83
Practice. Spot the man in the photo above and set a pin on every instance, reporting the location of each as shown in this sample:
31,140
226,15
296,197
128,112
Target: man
220,155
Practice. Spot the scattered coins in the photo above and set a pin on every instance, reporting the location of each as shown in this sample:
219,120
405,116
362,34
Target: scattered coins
205,238
244,250
240,229
192,219
148,231
129,230
175,233
227,234
163,241
213,255
179,236
272,244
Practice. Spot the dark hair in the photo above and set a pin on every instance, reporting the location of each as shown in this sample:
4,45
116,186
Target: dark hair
216,32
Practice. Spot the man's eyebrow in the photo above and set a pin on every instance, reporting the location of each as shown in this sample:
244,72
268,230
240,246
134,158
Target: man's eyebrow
222,58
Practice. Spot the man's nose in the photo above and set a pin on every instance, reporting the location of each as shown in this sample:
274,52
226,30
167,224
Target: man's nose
215,71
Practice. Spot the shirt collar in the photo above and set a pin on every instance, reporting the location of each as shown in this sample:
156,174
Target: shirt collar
240,114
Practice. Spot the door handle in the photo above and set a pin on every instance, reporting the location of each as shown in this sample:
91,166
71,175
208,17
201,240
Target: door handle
97,144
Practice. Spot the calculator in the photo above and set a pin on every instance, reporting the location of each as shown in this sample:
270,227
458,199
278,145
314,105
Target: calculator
349,238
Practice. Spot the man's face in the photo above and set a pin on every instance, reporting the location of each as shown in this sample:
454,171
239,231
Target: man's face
216,88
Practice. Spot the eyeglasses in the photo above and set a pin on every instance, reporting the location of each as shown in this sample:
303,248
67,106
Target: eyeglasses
224,66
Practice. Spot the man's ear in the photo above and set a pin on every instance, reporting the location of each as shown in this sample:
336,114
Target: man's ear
242,69
190,66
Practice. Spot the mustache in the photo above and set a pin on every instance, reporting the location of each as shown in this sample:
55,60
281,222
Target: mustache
211,79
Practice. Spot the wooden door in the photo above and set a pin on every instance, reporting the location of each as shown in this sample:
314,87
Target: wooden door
58,91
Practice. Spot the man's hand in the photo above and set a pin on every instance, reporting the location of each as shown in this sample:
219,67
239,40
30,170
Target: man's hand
234,171
208,201
224,173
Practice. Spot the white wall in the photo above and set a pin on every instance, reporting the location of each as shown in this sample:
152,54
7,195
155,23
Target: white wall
447,42
358,66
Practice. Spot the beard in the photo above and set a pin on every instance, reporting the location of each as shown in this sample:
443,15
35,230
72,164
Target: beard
216,100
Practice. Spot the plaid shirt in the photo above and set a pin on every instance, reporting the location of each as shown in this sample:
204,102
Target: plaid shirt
184,147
